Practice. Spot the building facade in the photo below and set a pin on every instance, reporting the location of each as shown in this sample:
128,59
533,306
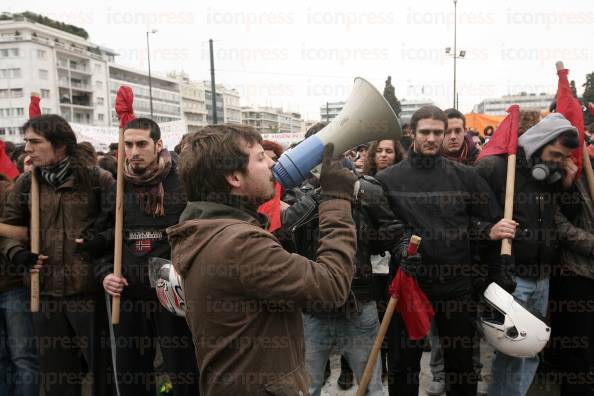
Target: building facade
526,101
193,96
272,120
409,106
227,103
69,72
330,110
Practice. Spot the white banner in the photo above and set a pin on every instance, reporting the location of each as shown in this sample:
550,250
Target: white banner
284,139
101,137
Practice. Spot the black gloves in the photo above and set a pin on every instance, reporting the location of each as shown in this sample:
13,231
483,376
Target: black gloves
94,247
336,180
24,260
411,265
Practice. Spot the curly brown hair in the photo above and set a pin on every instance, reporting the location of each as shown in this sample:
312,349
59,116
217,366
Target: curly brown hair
370,167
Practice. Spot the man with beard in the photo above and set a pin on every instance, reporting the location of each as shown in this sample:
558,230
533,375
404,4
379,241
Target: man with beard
244,292
448,205
457,144
154,200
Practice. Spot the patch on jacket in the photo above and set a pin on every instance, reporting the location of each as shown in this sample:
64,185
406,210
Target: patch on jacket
143,240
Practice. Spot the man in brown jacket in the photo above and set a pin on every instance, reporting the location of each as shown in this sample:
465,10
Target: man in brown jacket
71,207
244,292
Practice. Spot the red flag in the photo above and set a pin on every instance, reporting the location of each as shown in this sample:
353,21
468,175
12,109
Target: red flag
505,137
272,209
7,167
571,108
123,105
34,110
413,305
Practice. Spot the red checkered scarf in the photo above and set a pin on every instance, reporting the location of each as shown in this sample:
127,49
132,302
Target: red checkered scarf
149,185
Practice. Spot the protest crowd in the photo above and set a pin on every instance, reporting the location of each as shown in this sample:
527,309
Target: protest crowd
145,271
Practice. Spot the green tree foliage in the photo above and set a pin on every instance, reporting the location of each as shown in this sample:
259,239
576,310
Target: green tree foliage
588,96
390,95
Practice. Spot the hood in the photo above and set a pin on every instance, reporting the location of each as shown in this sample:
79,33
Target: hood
198,224
544,132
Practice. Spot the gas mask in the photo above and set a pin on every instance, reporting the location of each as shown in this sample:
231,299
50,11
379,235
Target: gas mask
546,172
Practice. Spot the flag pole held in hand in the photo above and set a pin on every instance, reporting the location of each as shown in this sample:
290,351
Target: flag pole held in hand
34,111
125,113
413,246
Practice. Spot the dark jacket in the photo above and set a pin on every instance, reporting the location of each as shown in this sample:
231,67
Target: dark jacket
144,236
447,204
67,212
245,294
535,247
377,231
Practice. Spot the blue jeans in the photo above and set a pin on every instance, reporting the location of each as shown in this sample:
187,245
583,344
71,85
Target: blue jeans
353,338
512,376
19,360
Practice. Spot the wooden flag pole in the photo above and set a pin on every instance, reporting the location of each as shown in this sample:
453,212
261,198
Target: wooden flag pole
381,334
34,240
508,213
587,166
119,225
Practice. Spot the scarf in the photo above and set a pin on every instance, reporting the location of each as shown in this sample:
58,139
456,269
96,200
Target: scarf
149,185
55,175
462,154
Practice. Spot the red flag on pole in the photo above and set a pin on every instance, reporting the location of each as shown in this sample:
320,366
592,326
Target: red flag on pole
34,110
123,105
272,209
412,303
505,137
571,108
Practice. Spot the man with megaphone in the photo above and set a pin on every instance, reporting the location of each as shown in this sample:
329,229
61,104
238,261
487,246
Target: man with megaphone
244,292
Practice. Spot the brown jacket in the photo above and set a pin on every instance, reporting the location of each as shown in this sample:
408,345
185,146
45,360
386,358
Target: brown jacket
245,294
9,280
577,238
66,213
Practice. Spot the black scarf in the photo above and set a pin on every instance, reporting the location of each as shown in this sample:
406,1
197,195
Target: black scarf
55,175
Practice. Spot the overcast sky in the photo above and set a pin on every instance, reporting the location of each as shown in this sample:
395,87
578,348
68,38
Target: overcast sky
301,54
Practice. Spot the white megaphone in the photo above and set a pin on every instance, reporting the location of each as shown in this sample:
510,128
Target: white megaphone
366,116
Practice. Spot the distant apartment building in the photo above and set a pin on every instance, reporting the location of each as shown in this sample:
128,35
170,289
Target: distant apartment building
330,110
526,101
166,97
227,104
409,106
69,72
272,120
193,96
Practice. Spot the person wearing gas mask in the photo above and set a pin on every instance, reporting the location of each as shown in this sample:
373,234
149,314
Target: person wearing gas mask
544,171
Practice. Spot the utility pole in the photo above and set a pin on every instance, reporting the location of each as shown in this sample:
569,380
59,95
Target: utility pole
212,84
455,25
327,113
148,54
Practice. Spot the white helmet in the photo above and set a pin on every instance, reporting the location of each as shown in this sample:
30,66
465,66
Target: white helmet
170,290
509,327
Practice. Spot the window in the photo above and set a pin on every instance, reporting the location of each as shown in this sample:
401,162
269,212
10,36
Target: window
2,132
16,93
45,93
20,111
100,117
9,53
10,73
99,100
99,84
40,54
43,74
98,67
46,110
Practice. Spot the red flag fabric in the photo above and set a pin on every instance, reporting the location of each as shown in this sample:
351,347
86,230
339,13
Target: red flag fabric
412,304
272,209
34,110
571,108
7,167
123,105
505,137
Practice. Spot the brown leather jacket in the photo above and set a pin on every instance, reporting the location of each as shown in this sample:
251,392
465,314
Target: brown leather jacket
8,279
245,294
66,213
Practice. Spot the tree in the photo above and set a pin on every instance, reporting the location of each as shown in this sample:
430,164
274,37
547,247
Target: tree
390,95
588,96
573,88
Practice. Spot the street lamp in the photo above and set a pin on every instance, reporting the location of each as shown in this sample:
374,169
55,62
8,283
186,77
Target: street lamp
148,55
454,53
